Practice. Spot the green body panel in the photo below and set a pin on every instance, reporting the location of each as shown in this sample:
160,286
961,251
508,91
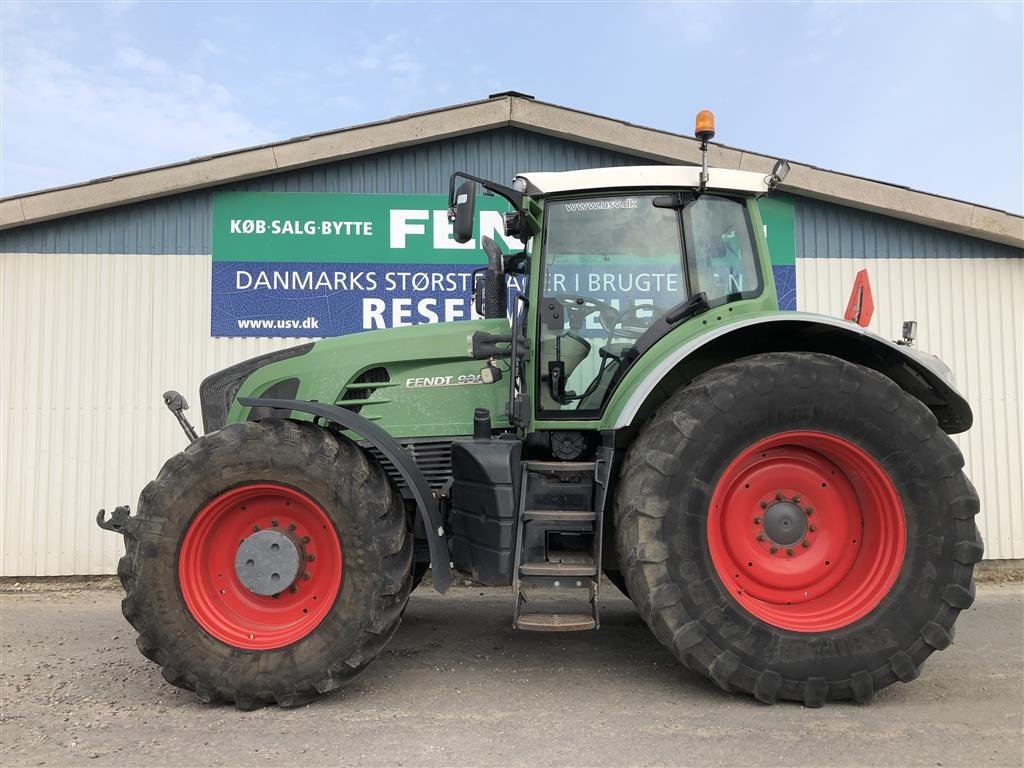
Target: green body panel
408,406
426,363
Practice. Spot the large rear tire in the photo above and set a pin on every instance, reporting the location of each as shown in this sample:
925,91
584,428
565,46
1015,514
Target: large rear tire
317,617
797,527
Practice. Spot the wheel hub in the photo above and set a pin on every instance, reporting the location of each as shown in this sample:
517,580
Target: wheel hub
785,523
268,561
807,531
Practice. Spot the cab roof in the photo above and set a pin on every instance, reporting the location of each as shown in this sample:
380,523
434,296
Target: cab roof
642,176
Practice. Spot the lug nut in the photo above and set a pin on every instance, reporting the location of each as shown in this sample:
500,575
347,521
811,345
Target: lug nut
812,528
291,526
760,537
773,550
293,589
307,575
273,523
311,557
806,543
790,552
810,511
305,539
764,505
779,496
796,498
757,521
255,528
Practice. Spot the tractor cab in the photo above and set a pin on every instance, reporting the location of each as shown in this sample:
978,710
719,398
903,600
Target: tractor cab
616,259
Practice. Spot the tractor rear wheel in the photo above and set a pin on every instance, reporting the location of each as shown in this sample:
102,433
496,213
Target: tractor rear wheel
797,527
269,562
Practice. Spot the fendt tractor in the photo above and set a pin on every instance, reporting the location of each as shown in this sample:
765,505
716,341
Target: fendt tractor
776,491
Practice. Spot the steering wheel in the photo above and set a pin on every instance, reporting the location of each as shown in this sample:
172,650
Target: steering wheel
579,308
636,331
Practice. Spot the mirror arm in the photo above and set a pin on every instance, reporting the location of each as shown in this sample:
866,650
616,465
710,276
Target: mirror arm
513,196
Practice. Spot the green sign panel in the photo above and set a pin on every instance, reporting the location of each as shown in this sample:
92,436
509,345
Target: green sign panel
353,229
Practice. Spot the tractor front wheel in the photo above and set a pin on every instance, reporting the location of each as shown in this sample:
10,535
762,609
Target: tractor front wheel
269,562
798,527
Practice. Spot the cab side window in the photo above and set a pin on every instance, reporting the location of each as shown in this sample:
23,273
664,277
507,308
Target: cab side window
721,252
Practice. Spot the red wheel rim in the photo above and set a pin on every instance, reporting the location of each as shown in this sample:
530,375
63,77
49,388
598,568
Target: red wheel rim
213,592
807,531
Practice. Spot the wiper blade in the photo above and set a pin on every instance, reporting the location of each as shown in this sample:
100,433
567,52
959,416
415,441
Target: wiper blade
693,306
677,200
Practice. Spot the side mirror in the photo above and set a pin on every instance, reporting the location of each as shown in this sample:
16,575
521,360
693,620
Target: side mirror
464,212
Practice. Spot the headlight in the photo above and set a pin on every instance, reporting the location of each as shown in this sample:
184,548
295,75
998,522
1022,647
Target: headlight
218,391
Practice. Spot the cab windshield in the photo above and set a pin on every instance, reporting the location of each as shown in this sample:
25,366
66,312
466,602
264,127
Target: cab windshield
613,266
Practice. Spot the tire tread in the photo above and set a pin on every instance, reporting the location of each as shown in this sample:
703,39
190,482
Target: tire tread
643,556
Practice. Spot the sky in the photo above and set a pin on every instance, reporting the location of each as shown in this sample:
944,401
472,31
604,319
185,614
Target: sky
926,95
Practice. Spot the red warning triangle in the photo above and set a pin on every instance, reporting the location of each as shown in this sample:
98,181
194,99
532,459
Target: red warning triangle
861,306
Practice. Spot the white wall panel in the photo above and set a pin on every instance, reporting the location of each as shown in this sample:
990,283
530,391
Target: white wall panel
88,343
969,314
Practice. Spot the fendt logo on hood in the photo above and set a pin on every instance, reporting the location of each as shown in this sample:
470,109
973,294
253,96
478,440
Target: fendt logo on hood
444,381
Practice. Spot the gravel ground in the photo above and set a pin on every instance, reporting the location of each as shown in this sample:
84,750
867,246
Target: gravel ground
457,686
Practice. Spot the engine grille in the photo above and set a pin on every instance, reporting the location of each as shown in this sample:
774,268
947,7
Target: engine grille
353,394
432,456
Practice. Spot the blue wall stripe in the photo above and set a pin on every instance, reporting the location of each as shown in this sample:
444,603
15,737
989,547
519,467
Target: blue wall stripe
830,231
181,223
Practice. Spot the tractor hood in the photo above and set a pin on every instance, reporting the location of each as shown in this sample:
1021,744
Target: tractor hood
415,381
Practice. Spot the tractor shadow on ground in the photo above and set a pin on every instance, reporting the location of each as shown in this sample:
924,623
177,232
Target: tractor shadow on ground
471,628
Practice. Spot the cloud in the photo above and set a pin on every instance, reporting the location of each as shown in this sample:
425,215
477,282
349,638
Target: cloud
828,21
129,111
695,23
344,102
405,65
389,58
209,48
116,8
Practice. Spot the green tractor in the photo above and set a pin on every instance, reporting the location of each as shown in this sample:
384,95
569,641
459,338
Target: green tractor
775,491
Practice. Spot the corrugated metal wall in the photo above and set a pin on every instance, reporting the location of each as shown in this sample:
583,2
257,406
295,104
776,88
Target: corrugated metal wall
966,296
967,311
828,231
88,343
102,312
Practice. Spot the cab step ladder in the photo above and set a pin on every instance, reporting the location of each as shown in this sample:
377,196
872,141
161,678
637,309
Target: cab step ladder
558,550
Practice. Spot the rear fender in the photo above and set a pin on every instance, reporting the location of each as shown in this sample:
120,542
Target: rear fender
922,375
440,564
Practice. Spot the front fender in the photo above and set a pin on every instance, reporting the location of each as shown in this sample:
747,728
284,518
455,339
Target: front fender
922,375
440,564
